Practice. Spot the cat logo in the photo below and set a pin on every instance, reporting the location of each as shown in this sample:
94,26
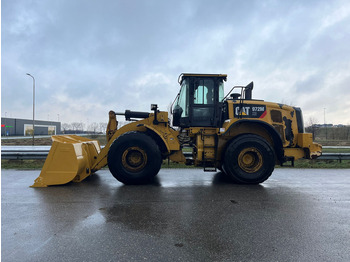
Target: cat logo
250,111
243,111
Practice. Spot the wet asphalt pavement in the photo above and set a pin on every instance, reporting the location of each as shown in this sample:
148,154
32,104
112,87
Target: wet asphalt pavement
186,215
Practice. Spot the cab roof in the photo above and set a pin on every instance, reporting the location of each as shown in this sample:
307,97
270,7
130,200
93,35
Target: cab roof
183,75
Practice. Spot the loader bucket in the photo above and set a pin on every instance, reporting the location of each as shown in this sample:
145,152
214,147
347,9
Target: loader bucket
70,159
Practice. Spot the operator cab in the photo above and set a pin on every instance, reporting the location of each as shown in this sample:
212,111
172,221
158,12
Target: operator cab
200,100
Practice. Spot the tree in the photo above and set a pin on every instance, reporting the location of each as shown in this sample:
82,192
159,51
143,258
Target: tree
94,127
103,127
312,127
65,127
77,126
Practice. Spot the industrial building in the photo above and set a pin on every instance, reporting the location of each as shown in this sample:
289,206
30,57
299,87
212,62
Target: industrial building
24,127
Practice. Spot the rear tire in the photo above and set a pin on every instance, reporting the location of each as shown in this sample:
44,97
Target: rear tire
249,159
134,158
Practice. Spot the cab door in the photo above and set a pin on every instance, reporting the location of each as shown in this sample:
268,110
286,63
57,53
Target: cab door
204,102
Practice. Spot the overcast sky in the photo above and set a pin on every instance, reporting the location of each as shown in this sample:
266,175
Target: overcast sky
89,57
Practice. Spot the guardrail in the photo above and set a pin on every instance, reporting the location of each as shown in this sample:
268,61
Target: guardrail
24,152
41,152
334,156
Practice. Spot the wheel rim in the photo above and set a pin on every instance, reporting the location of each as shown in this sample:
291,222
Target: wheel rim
134,159
250,160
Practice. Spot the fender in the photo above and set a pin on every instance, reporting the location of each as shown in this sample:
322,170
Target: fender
278,144
158,134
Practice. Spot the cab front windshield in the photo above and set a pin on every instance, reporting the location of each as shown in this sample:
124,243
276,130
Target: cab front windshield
182,101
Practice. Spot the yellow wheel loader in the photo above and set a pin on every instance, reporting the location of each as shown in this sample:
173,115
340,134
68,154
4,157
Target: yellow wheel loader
243,137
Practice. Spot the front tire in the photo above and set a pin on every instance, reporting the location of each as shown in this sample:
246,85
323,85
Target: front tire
249,159
134,158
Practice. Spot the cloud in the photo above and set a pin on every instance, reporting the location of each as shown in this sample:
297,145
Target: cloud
90,57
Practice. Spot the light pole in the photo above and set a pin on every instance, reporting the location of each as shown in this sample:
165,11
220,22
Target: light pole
5,123
33,104
324,119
